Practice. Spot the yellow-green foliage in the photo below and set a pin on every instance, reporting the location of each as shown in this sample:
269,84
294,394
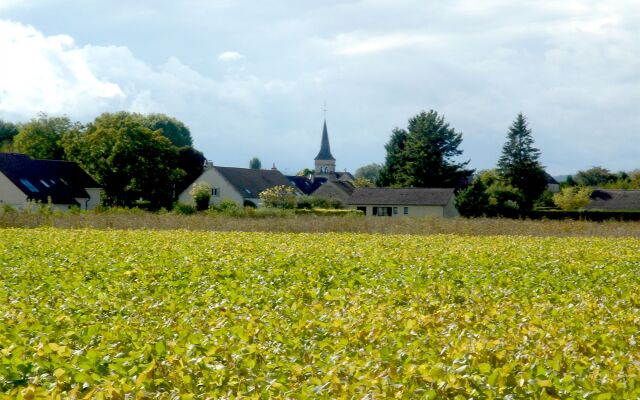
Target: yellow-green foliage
572,198
279,197
177,314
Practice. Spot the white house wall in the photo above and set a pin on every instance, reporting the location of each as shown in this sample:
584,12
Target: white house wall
414,211
11,194
217,181
94,199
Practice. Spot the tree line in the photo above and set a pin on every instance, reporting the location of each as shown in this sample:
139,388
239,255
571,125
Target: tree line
140,160
425,155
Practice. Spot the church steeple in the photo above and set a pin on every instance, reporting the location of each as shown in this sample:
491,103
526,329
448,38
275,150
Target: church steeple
325,149
324,161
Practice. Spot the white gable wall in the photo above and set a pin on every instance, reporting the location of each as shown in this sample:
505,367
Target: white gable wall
11,194
217,181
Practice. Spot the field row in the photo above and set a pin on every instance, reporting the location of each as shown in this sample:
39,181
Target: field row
177,314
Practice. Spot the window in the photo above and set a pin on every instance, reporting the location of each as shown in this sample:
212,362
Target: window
406,211
382,211
44,183
363,209
215,192
395,210
29,185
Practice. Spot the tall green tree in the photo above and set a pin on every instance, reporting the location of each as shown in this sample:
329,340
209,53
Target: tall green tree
519,163
369,172
474,201
423,155
131,161
176,131
595,177
41,137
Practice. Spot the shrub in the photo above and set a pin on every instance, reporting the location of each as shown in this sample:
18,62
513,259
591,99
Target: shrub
279,197
8,209
183,209
201,193
573,198
229,208
310,202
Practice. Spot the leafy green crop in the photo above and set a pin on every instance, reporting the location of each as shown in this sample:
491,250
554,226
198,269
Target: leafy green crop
181,315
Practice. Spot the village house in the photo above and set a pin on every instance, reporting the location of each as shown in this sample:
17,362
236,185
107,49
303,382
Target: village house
614,200
404,202
64,184
241,185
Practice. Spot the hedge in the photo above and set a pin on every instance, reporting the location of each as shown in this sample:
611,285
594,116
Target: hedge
585,215
329,212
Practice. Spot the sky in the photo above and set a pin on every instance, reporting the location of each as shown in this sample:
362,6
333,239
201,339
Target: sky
251,78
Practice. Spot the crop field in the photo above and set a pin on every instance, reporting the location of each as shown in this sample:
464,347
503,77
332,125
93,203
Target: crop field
184,314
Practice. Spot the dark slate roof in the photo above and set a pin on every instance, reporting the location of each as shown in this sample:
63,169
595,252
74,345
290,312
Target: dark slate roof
401,196
325,150
251,182
345,186
339,175
551,180
306,185
614,199
62,181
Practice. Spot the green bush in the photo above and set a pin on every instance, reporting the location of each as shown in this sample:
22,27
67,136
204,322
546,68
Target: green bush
201,193
183,209
279,197
8,209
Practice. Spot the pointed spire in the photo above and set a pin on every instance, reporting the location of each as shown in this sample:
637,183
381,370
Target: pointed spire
325,149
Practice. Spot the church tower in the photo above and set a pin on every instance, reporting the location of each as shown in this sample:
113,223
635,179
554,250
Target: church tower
324,162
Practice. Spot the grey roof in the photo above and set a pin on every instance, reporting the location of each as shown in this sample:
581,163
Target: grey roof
306,185
325,149
401,196
344,186
62,181
614,199
340,175
251,182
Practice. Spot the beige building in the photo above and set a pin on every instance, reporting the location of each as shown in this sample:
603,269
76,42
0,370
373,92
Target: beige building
24,181
404,202
241,185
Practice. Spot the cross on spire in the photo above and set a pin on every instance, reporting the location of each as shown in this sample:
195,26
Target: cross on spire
324,109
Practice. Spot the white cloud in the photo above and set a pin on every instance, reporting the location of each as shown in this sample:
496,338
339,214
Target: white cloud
230,56
570,65
352,44
50,74
54,75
